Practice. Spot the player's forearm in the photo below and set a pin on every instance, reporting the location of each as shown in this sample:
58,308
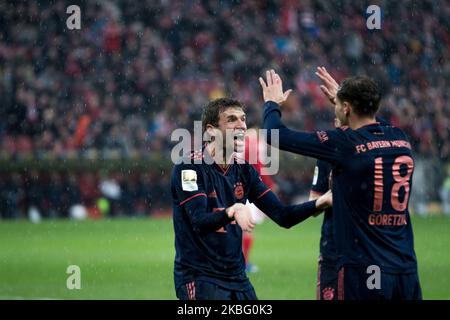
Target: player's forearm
300,142
206,222
272,119
285,216
299,213
288,140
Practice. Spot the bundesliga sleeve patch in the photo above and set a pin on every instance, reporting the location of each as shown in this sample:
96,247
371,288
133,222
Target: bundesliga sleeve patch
316,175
189,180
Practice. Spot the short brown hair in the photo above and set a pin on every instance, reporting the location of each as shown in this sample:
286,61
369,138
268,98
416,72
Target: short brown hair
362,93
214,108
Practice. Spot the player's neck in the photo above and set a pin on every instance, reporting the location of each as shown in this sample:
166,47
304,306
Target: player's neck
219,159
357,123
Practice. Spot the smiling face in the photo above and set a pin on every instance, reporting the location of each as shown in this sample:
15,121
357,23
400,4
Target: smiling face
231,120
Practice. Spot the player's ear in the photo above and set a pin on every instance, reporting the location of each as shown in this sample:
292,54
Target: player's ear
346,108
211,131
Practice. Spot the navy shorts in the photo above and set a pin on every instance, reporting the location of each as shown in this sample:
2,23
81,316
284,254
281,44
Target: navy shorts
205,290
327,279
353,285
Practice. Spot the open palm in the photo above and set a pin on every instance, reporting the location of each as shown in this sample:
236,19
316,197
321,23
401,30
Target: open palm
273,88
329,86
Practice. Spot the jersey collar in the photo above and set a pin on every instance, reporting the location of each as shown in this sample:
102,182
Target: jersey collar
235,157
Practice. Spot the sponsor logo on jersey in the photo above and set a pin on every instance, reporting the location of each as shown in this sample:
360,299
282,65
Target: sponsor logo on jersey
316,175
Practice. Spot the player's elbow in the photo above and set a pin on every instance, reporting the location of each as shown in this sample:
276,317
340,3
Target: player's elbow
273,136
288,221
270,131
284,223
276,136
286,226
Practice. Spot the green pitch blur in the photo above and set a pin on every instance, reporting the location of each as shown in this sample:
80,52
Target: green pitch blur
133,259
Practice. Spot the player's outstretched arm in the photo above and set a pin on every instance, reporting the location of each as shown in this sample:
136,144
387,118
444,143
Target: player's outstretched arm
290,215
285,216
312,144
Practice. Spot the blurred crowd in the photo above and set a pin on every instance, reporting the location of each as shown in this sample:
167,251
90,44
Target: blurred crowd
39,194
137,70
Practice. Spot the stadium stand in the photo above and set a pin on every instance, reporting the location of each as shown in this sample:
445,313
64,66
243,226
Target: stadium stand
136,71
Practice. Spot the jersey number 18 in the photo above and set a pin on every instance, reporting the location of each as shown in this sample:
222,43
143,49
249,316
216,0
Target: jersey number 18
400,181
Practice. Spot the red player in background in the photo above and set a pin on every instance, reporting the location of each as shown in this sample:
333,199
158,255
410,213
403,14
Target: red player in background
255,147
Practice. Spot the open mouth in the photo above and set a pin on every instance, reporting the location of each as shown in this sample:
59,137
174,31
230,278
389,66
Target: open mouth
239,136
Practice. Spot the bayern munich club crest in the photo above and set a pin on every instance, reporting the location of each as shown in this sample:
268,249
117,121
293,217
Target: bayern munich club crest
239,190
328,293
